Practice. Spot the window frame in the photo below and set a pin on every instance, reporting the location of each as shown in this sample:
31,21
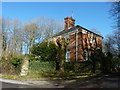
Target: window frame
67,59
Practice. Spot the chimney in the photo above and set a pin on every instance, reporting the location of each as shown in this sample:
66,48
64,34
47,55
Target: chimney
69,22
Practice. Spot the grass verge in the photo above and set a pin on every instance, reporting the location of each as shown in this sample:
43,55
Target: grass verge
50,76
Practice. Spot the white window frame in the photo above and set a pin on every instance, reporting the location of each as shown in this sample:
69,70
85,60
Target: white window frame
91,40
67,56
67,36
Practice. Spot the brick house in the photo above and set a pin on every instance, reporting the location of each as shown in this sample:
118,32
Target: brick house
80,41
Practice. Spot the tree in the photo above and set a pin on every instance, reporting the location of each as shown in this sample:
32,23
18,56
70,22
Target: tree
44,51
115,13
112,44
16,36
39,30
61,44
30,34
49,27
4,35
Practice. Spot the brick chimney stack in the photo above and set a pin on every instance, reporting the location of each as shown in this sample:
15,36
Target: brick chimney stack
69,22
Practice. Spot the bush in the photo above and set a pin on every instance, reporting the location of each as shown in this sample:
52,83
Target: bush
11,63
41,66
7,67
16,62
44,51
108,63
81,67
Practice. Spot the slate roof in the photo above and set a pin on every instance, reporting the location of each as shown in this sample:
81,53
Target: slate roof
72,29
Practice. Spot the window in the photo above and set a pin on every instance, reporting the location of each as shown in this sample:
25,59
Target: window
68,56
92,41
85,55
67,37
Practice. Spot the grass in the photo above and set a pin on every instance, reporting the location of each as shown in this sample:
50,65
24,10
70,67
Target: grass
16,77
49,76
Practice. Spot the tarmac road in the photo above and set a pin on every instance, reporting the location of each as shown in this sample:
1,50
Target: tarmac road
9,85
106,81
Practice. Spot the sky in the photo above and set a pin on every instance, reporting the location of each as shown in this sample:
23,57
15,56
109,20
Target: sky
90,15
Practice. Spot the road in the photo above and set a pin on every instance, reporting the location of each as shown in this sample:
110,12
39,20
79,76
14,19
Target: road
106,81
9,85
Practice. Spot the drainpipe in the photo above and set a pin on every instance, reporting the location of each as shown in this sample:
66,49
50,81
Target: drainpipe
77,46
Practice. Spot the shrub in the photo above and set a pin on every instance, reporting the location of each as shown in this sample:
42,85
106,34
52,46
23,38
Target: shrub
108,63
11,63
41,66
7,67
44,51
16,62
81,67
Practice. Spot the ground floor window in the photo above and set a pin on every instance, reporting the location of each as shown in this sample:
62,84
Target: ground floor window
67,56
85,55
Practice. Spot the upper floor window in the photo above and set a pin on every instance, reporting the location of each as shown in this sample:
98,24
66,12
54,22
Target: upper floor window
92,41
67,36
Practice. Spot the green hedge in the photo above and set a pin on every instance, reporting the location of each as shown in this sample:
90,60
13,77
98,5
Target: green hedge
41,66
81,67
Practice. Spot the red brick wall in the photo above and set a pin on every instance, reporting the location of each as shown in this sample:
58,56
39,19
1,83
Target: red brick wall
83,44
72,47
80,46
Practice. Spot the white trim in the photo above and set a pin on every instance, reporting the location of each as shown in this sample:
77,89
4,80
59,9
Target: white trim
84,31
70,33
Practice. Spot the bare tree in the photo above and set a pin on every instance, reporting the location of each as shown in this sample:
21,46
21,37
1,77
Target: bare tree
16,36
30,33
4,33
115,13
49,27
